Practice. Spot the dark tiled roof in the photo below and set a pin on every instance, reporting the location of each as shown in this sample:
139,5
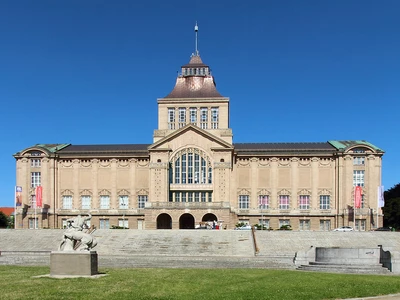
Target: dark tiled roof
194,87
133,149
268,148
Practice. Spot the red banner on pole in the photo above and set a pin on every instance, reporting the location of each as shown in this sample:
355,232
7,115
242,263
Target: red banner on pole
357,197
38,196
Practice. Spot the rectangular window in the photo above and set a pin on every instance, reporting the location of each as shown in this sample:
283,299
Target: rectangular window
244,202
183,196
142,199
264,223
123,202
284,202
171,118
263,202
360,225
304,202
324,202
182,117
104,223
203,117
36,162
190,167
193,115
304,225
33,223
284,223
177,170
324,225
359,160
86,202
67,202
203,197
35,179
104,202
177,197
358,178
123,223
190,197
209,196
214,117
196,197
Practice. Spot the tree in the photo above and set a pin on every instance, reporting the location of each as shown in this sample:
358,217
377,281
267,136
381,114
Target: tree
391,210
3,220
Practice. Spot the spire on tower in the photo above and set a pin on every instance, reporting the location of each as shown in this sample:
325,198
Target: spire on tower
196,29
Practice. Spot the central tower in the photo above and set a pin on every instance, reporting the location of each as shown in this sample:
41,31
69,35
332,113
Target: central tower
194,100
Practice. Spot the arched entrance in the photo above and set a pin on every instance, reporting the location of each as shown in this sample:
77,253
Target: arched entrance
186,221
164,221
209,218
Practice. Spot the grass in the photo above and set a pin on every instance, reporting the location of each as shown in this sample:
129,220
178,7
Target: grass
233,284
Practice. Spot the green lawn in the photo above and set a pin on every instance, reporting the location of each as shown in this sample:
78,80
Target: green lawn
232,284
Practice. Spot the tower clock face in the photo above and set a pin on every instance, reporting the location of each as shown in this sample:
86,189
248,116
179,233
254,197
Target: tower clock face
195,83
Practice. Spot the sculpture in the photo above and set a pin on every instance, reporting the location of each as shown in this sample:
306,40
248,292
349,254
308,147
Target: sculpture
78,235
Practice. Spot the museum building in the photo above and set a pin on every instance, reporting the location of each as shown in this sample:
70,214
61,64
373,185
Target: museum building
194,173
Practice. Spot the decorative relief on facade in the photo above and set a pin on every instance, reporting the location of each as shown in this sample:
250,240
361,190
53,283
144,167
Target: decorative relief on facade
304,162
284,192
243,162
66,163
67,193
142,163
104,163
85,163
243,192
222,165
274,159
304,192
158,165
45,160
123,192
85,192
123,163
284,162
263,162
264,192
142,192
325,192
222,183
24,160
294,159
371,157
348,157
325,162
104,192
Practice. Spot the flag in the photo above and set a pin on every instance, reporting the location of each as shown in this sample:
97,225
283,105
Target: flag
18,195
38,194
357,197
381,199
350,210
372,217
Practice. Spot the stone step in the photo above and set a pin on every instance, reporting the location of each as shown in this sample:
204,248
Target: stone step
352,269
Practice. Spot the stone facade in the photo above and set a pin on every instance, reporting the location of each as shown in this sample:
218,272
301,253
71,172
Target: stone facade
194,173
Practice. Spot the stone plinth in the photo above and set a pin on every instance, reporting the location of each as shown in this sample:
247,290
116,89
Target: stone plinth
73,263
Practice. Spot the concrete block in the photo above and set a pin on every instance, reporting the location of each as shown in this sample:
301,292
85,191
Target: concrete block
83,263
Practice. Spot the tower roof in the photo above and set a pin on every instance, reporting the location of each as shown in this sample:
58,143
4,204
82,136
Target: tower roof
195,79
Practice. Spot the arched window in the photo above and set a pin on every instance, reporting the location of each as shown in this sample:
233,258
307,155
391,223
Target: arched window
191,166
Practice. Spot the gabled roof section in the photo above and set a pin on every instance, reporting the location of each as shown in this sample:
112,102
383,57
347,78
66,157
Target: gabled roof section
345,145
46,148
282,148
190,127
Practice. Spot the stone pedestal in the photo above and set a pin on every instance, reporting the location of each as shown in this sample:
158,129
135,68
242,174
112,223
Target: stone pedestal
73,263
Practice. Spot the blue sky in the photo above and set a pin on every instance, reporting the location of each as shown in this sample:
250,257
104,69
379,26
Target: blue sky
90,72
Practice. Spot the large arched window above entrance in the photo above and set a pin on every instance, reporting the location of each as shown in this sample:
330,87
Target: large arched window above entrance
191,166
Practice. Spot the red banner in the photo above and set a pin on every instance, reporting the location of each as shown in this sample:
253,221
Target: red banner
38,196
357,197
